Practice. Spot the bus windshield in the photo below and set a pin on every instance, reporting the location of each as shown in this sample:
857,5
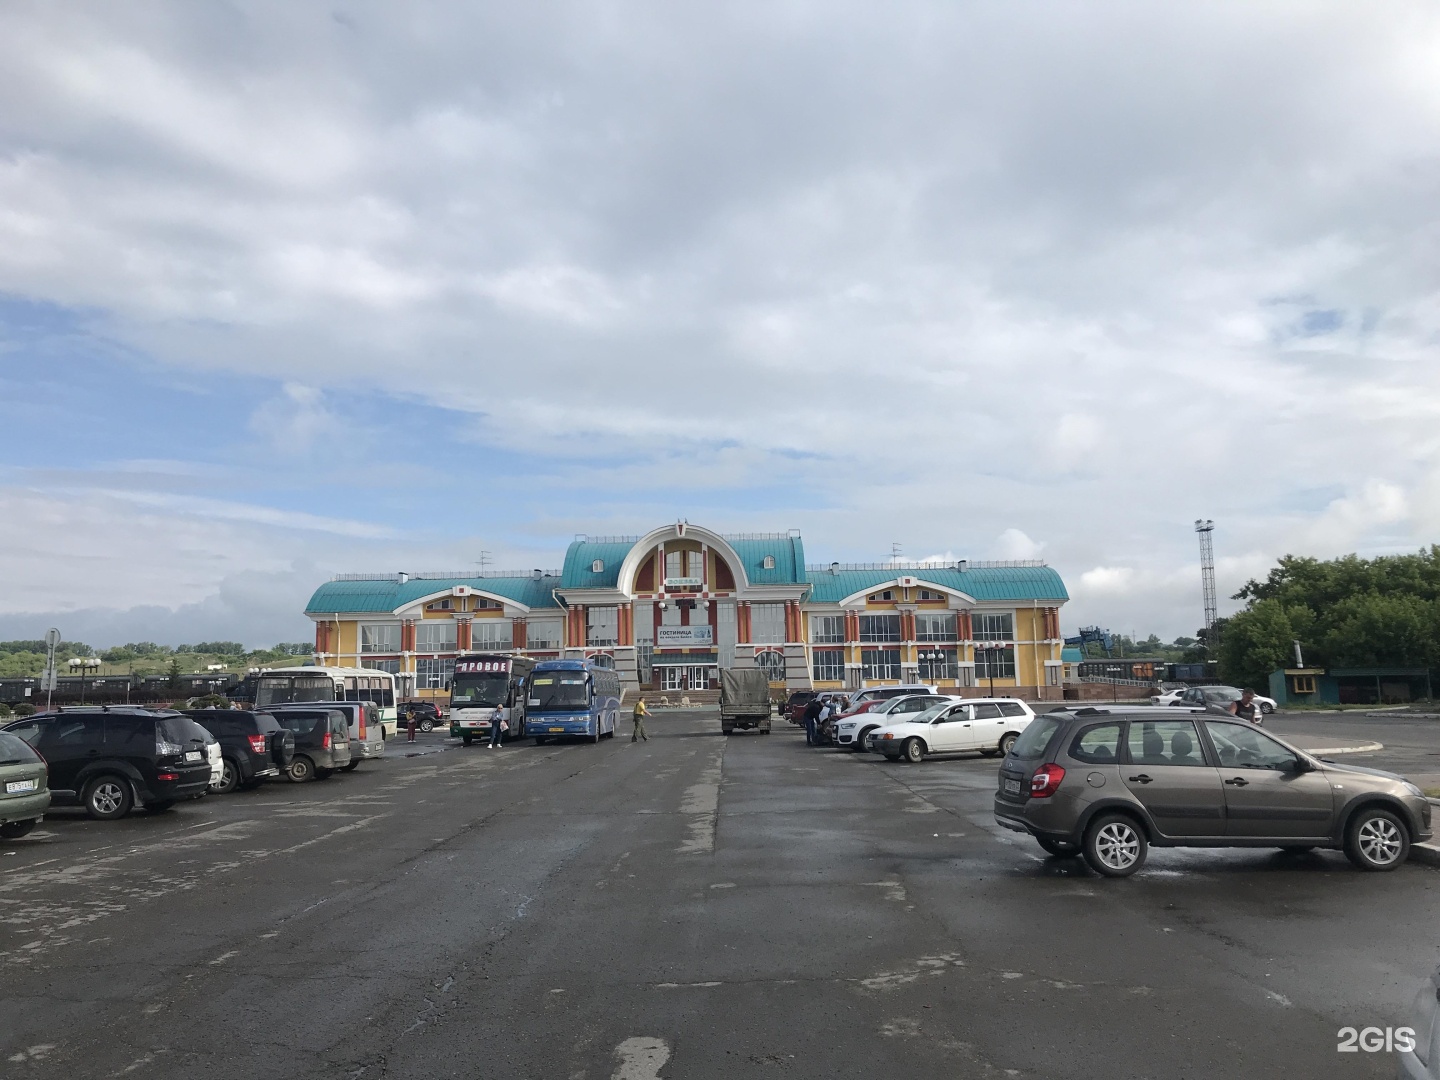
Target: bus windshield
280,689
485,689
555,691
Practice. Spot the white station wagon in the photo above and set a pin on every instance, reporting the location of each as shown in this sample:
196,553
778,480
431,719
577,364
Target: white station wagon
987,726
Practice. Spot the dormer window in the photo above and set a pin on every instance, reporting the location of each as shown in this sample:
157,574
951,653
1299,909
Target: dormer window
598,566
769,562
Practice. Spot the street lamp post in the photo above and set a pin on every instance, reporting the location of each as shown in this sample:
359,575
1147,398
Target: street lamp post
82,664
1114,683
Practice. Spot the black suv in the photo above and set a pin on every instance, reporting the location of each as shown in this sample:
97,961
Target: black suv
110,759
322,741
427,714
253,746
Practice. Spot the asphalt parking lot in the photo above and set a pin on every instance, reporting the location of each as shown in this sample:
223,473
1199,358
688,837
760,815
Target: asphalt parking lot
690,907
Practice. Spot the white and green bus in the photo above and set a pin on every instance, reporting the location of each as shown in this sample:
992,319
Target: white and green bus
281,686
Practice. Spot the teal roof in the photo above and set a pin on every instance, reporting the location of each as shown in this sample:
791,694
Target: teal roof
1004,583
581,555
788,551
388,594
1072,655
789,555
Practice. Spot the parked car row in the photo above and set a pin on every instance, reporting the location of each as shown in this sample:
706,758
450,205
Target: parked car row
1202,696
109,760
912,723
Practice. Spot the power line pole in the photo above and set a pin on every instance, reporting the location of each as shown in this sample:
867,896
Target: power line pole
1206,530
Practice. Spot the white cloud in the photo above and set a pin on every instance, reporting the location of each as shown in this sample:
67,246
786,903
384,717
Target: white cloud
1116,269
1014,544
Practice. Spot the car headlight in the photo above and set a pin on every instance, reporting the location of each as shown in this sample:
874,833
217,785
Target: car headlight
1413,790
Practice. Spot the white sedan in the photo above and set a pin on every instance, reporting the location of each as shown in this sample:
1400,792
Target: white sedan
988,726
852,729
1169,697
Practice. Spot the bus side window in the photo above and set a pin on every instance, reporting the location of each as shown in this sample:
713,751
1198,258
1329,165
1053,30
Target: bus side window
388,693
352,692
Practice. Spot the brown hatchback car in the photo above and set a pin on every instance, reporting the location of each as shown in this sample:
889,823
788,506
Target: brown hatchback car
1107,784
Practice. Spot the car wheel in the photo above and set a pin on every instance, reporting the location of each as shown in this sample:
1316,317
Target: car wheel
1376,839
1007,742
13,830
1058,847
160,807
859,743
229,777
914,751
1266,708
353,765
301,769
108,797
427,725
1114,846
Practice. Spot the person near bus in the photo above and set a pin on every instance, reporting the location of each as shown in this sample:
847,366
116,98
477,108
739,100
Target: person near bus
497,726
410,722
1246,708
637,715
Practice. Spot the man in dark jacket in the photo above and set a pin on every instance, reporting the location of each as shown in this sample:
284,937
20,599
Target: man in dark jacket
812,720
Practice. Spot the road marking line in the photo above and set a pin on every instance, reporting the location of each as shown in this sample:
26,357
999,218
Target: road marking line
641,1058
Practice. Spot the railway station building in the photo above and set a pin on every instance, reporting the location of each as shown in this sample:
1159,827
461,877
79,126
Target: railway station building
668,609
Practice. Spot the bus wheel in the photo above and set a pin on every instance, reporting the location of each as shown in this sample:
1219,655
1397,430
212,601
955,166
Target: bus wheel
596,737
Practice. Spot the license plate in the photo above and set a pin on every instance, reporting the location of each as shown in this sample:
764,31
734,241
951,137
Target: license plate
194,755
1012,787
561,729
14,787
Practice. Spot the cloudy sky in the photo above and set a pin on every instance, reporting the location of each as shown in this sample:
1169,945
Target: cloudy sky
289,289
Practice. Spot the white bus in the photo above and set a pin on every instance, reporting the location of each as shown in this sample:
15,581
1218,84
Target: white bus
279,686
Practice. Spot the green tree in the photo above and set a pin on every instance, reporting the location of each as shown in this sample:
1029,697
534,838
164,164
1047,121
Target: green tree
1255,643
1375,630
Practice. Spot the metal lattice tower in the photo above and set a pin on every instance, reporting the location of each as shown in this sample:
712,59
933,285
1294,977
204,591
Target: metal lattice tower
1207,578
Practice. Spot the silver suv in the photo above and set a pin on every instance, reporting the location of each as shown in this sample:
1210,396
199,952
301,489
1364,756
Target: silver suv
1108,783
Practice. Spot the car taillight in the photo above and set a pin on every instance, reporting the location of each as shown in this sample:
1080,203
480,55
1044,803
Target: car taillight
362,727
257,743
1046,781
167,776
325,742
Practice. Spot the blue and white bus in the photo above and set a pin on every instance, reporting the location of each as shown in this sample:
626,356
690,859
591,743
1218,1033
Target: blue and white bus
572,698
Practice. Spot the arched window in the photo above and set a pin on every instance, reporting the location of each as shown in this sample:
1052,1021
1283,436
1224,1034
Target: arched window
769,563
598,566
772,663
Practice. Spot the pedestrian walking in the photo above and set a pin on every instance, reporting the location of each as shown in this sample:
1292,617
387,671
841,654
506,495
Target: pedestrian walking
638,715
1245,708
497,726
410,723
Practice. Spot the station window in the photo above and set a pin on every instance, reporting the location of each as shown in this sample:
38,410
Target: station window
598,566
880,628
379,637
772,663
879,664
769,562
435,636
935,628
888,594
994,663
602,626
829,665
434,674
999,627
827,629
938,664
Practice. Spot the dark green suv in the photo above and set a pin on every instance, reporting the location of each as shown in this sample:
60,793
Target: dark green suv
1107,783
